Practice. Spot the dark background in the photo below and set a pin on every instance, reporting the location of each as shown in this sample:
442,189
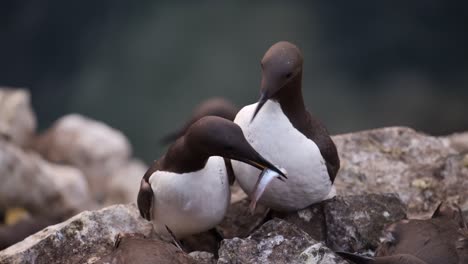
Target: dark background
141,66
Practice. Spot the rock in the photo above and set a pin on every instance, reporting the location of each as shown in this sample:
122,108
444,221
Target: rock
40,187
277,241
311,220
124,184
355,223
81,239
457,141
17,120
202,257
239,222
422,169
135,248
93,147
207,241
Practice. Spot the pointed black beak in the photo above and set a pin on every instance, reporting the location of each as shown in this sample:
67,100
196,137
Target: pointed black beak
261,163
261,102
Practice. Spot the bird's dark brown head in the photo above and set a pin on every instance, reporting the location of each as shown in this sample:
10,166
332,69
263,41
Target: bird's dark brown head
216,136
281,69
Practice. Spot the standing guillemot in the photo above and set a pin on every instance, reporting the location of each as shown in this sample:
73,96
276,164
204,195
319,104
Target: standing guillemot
441,239
215,106
187,189
286,134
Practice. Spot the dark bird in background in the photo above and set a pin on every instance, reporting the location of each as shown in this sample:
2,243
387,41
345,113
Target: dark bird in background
441,239
215,106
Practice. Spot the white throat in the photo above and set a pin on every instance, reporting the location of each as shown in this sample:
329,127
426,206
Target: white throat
275,138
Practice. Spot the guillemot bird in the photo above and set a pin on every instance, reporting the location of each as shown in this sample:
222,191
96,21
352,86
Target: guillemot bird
441,239
187,189
281,129
215,106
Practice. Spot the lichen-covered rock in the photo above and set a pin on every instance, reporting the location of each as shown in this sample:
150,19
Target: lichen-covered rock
202,257
422,169
124,184
277,241
79,239
95,148
17,120
41,187
457,141
355,223
239,221
311,220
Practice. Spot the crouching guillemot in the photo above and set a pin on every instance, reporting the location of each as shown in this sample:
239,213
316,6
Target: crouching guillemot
187,189
215,106
286,134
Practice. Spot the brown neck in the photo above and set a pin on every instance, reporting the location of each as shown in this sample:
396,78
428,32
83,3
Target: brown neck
181,158
291,100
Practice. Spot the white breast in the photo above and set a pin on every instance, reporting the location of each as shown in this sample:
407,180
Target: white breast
190,203
275,138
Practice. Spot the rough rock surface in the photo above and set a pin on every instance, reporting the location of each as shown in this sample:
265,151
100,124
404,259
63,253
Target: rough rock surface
311,220
355,223
80,239
41,187
17,120
239,222
202,257
422,169
457,141
277,241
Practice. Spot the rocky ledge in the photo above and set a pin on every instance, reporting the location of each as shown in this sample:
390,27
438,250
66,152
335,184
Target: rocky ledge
386,175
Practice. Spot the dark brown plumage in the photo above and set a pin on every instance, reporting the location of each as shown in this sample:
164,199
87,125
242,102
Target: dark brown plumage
209,136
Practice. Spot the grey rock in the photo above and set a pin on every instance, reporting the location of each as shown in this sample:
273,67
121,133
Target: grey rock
124,184
17,120
239,221
422,169
355,223
277,241
93,147
311,220
457,141
80,239
203,257
42,188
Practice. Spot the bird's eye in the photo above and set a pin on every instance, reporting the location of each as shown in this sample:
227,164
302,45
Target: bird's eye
288,75
261,64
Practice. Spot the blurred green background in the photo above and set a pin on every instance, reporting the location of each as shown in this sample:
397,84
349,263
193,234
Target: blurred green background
141,66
